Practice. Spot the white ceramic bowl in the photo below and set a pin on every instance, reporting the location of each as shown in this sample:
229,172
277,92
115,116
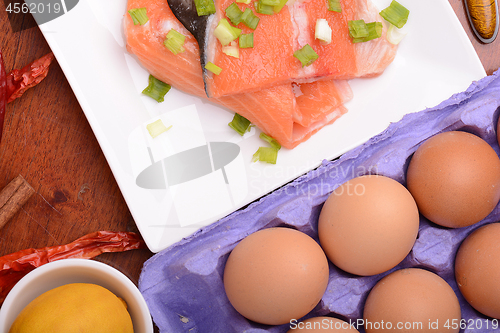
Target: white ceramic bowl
66,271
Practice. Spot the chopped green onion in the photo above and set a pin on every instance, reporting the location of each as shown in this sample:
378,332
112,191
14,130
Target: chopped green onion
323,32
280,6
266,154
306,55
274,144
263,8
374,31
226,33
246,40
396,14
250,19
270,2
231,50
157,127
233,12
240,124
156,89
139,15
213,68
395,35
204,7
357,29
334,6
174,41
246,2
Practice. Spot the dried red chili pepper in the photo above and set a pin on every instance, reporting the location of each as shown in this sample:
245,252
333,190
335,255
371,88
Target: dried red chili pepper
3,93
18,81
16,265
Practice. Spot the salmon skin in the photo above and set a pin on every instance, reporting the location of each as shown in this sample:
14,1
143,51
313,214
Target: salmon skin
290,113
185,11
271,62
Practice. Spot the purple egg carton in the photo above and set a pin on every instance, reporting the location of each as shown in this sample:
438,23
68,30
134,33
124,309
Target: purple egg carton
183,284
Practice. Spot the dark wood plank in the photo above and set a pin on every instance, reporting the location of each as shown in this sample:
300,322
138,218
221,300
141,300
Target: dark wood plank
48,140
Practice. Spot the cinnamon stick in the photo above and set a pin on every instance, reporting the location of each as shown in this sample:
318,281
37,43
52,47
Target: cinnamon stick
13,197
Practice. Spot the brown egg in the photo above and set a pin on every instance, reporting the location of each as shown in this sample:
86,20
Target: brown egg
368,225
455,179
477,269
276,275
322,325
412,300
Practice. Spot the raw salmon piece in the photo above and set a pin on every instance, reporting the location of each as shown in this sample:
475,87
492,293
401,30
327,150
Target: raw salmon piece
271,62
273,110
372,57
336,60
146,42
262,66
317,99
301,133
342,56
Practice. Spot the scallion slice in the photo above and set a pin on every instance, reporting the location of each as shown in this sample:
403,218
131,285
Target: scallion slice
274,144
280,6
250,19
262,8
204,7
374,31
156,89
157,127
334,6
306,55
174,41
231,50
139,15
246,40
246,2
233,12
240,124
323,32
266,154
226,33
213,68
357,29
395,35
396,14
270,2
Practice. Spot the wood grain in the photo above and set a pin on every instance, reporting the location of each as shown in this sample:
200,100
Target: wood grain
13,197
48,140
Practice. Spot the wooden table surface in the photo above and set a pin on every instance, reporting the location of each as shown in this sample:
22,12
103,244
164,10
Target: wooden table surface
48,140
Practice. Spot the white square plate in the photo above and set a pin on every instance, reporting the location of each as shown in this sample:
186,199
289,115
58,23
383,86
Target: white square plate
435,60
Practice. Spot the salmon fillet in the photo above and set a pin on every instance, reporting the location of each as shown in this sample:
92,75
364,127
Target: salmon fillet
315,99
336,60
271,61
372,57
264,63
277,111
